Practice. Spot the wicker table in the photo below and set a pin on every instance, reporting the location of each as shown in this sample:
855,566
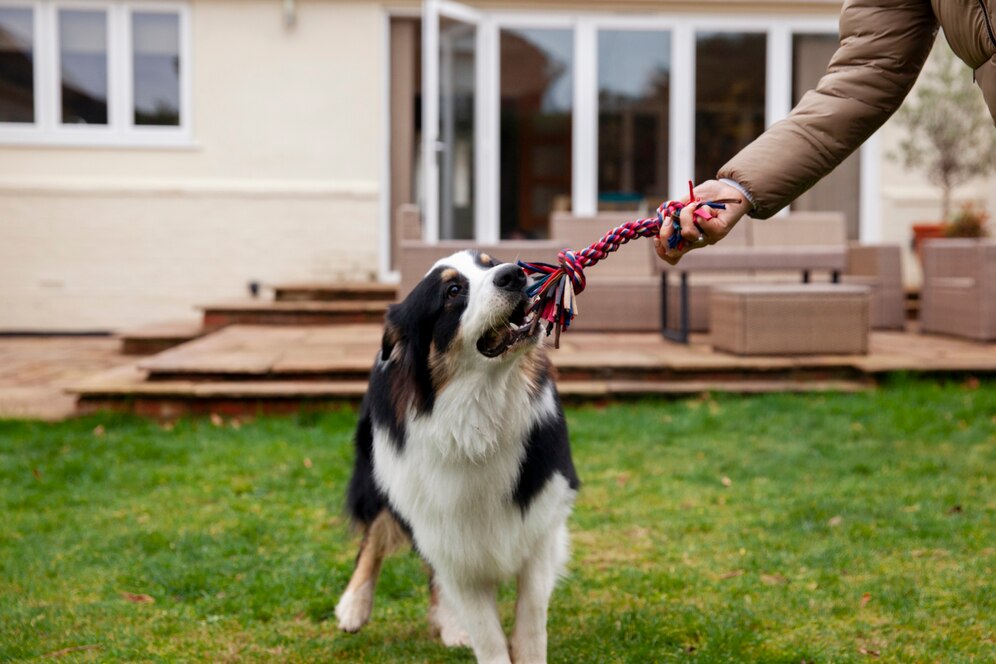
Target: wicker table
790,319
801,259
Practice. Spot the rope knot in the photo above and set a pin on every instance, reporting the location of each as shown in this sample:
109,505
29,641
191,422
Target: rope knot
554,297
571,264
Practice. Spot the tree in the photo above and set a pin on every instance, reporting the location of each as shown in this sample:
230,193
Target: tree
950,135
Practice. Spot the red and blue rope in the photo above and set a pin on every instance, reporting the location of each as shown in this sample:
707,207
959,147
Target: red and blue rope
555,287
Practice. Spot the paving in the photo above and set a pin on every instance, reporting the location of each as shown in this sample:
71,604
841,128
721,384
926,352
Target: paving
34,372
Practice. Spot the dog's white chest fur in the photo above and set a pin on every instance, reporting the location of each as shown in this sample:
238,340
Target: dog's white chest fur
454,480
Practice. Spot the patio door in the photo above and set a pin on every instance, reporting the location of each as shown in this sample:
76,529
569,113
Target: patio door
453,110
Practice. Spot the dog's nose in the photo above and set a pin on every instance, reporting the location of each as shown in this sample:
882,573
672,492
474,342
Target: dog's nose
510,278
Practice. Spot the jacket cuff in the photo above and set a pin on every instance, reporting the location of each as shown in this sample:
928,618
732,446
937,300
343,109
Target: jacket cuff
739,187
760,207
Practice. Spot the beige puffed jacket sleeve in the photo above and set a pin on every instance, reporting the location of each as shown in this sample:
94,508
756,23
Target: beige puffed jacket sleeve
883,46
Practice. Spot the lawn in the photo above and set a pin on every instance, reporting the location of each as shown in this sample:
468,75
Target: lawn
718,529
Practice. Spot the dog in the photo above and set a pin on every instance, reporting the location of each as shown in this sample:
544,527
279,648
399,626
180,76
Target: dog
462,448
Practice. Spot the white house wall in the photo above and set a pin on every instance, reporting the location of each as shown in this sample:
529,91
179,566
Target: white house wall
281,182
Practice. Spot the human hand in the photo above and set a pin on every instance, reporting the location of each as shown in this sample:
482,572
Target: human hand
701,232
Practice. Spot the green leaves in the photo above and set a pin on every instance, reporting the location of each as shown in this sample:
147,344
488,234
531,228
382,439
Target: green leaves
950,136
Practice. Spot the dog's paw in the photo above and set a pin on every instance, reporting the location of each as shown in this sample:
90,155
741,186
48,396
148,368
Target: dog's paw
354,607
454,637
449,629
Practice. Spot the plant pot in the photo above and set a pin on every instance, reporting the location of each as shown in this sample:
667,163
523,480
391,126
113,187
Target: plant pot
925,231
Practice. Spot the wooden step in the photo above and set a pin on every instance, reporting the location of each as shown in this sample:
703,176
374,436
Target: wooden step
127,389
249,369
157,337
269,312
327,353
281,353
591,389
336,292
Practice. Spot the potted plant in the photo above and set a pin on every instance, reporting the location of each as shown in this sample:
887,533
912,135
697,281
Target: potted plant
969,221
949,134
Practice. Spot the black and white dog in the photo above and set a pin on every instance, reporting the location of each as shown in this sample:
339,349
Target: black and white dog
462,446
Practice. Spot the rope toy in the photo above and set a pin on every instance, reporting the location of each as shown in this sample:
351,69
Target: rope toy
556,287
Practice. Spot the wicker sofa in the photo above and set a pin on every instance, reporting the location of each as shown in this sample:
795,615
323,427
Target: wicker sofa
959,288
767,251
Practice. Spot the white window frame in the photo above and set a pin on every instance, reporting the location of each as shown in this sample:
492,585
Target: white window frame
48,130
779,32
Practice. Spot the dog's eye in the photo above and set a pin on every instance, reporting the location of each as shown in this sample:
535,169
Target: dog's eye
453,290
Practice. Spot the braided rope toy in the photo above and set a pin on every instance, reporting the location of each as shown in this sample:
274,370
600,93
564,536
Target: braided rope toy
556,287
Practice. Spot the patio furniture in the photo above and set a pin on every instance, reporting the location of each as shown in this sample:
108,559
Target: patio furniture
622,294
812,245
768,250
879,266
959,288
790,319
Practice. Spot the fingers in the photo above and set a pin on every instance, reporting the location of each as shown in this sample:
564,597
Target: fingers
690,229
669,256
697,230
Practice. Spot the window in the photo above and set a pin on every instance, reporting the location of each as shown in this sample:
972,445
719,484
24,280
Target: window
155,38
96,73
634,84
17,65
729,96
588,111
83,66
537,92
841,189
457,60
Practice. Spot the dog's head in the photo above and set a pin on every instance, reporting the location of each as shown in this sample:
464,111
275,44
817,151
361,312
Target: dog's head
467,314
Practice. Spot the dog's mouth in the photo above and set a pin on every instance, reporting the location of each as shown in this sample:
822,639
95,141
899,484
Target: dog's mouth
517,329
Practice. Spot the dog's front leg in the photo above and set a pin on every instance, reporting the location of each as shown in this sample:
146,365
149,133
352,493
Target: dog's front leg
381,538
477,605
535,585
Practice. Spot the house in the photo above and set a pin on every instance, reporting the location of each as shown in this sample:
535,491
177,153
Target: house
155,154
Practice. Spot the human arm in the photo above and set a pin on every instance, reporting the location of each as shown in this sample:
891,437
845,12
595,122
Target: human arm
883,46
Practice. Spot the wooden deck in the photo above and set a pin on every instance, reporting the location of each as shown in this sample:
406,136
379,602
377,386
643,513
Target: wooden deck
252,368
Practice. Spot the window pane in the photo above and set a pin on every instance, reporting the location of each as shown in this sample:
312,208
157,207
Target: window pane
17,65
83,66
840,190
457,56
634,84
729,97
156,68
537,88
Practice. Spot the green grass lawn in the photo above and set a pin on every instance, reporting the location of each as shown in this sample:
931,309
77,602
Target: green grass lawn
719,529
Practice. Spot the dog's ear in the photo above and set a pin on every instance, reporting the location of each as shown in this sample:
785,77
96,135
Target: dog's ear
391,339
407,341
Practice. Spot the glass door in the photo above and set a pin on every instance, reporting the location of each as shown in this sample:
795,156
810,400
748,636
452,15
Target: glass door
634,116
450,121
536,97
